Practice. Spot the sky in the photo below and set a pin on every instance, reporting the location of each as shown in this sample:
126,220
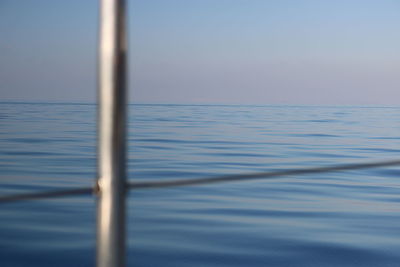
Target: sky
318,52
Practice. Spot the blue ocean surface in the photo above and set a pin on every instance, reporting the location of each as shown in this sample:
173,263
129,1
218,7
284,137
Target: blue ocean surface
349,218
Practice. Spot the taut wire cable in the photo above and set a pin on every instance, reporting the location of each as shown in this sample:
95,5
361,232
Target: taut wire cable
47,194
202,181
261,175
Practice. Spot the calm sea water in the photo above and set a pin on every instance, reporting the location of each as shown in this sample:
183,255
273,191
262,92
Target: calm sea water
338,219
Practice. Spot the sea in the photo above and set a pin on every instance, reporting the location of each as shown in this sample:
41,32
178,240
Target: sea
347,218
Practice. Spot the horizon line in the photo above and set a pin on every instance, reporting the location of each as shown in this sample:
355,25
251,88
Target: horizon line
56,102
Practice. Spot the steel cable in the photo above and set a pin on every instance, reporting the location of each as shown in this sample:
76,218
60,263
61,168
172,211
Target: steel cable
202,181
260,175
47,194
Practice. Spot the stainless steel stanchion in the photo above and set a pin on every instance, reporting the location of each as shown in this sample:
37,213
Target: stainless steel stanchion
111,135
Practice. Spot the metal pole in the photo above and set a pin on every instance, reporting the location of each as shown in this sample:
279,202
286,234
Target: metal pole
111,135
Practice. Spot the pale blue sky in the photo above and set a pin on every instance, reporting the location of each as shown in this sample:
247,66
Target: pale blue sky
209,51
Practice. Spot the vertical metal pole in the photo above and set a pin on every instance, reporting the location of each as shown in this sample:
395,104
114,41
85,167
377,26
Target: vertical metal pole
111,135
